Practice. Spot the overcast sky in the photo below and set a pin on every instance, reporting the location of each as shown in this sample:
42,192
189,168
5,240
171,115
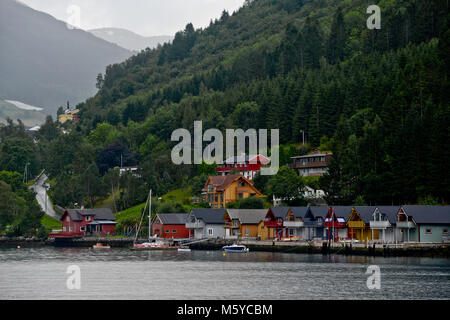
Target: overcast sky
145,17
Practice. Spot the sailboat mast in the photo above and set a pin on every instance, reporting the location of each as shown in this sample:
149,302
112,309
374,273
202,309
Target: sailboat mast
150,216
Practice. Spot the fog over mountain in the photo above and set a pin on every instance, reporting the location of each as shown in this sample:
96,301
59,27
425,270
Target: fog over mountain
128,39
44,63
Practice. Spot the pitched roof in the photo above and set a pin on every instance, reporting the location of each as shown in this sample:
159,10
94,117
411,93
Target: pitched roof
221,182
258,158
99,214
429,214
248,216
280,212
343,211
365,212
299,212
209,216
172,218
389,211
319,211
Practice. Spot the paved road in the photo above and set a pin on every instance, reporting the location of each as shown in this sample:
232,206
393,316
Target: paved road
41,196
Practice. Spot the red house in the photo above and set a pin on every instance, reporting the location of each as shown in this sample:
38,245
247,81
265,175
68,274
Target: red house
86,222
275,220
336,226
170,225
248,166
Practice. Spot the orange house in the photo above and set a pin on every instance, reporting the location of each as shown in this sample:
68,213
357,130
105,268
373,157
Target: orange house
219,190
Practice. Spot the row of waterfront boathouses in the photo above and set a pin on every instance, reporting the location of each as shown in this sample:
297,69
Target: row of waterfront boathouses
383,224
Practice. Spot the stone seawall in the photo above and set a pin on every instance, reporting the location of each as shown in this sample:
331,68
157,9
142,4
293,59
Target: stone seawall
404,249
408,250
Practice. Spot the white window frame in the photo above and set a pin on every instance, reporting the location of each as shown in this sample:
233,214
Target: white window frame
210,231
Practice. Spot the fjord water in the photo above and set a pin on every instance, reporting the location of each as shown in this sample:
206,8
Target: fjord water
41,273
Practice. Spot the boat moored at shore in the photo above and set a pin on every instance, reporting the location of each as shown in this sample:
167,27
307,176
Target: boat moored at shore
235,248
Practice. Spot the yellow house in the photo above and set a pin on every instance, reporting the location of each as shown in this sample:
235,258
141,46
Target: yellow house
358,224
220,190
69,115
265,233
243,223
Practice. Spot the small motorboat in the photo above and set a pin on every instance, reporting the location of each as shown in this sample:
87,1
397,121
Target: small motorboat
235,248
101,246
184,249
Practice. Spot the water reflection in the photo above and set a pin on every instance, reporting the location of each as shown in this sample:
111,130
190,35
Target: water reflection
120,273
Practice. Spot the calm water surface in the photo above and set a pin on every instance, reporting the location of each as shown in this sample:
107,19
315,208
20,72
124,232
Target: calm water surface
40,273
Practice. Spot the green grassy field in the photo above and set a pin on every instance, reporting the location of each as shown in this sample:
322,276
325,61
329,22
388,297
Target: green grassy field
133,212
50,223
179,195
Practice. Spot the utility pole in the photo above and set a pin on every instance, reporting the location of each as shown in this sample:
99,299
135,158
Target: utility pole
25,175
303,134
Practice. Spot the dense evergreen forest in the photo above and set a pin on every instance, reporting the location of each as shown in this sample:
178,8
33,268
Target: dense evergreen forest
378,99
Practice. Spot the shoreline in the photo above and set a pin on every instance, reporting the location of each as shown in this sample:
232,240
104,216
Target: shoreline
438,250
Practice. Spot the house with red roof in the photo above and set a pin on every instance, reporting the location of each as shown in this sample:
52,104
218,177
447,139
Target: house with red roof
246,165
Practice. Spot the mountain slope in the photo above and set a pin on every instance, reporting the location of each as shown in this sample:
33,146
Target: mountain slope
377,98
129,40
29,118
44,63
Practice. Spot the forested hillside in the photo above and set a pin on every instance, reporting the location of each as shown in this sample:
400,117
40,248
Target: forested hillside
44,63
378,99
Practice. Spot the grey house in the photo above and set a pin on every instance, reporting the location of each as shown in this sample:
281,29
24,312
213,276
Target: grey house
384,219
301,223
206,223
423,223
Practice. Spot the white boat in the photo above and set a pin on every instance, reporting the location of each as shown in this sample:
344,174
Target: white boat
149,245
152,243
184,249
235,248
101,246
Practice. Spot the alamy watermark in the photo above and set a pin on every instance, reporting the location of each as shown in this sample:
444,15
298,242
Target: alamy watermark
73,282
374,279
374,21
183,152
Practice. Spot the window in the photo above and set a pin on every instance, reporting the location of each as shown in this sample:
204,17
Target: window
240,195
167,231
68,219
291,232
210,231
210,188
235,223
88,218
82,229
428,231
247,232
174,231
445,231
64,228
70,229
